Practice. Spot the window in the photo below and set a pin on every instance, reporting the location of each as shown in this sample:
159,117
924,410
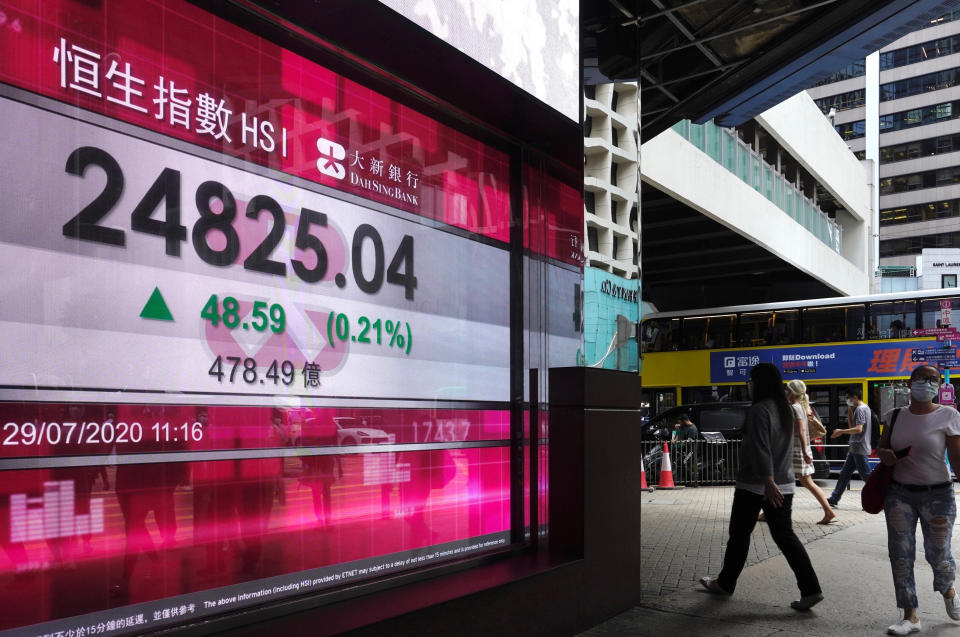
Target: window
590,201
614,166
948,280
592,239
614,136
769,328
660,335
708,332
914,117
614,100
919,181
893,319
828,324
713,394
616,246
854,69
920,148
919,52
590,91
588,126
938,312
920,212
842,101
853,130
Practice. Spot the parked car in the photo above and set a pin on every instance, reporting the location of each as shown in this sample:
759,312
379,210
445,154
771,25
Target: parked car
353,431
726,418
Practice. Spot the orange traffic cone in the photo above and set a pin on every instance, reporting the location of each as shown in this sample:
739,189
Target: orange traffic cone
666,471
643,478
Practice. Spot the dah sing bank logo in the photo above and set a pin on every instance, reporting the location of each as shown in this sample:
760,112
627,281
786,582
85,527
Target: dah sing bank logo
369,173
330,152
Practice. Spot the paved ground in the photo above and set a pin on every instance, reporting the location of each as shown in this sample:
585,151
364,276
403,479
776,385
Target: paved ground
682,538
683,532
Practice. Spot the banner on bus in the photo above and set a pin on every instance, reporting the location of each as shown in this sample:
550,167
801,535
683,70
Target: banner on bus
843,360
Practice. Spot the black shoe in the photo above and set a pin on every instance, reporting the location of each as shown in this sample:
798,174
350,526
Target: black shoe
833,505
806,603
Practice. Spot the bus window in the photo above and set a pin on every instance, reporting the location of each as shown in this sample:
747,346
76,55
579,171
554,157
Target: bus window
661,335
714,394
887,395
659,400
892,320
937,312
769,328
827,324
708,332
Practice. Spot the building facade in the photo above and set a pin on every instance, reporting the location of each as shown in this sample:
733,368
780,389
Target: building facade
900,106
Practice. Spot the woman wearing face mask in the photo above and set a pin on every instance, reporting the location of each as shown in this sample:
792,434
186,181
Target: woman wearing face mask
766,481
921,490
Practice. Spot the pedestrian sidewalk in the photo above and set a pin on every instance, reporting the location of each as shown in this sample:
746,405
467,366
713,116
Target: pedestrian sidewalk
850,558
683,533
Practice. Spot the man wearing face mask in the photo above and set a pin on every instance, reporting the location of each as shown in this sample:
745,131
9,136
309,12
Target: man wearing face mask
858,417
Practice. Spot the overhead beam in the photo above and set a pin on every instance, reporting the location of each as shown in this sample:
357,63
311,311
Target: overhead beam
723,34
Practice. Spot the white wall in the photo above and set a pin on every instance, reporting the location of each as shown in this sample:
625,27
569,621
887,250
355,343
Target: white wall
691,176
802,130
533,43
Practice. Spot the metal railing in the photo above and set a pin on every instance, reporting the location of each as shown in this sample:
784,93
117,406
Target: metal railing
694,462
706,462
727,149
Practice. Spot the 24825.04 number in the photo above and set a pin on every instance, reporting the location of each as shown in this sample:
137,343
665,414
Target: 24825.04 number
166,189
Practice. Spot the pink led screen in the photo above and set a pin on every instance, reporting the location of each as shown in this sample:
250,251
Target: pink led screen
175,69
152,537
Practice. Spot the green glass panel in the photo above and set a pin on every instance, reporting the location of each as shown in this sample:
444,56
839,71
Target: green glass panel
730,153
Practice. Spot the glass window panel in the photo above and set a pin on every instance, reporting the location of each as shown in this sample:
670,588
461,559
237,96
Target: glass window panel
661,335
729,152
934,314
769,328
708,332
696,135
830,324
892,320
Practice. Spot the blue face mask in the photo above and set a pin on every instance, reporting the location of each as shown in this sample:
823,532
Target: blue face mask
924,391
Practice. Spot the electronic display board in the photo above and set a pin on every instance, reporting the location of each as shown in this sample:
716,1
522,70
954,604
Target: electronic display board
258,322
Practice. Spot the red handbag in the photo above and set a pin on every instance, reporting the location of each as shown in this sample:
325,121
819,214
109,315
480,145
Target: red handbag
875,490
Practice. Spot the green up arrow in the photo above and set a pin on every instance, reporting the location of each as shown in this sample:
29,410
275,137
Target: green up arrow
156,308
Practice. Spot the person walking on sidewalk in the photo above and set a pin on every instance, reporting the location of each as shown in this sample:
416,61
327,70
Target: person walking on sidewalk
858,417
766,481
921,489
802,454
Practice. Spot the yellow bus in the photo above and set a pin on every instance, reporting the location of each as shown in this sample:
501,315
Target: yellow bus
702,356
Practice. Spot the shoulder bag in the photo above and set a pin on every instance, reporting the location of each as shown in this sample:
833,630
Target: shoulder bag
875,490
817,430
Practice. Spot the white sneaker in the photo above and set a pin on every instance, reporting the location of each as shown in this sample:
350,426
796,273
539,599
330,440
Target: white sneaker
953,606
904,627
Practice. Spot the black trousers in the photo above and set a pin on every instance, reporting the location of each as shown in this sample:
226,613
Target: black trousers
743,517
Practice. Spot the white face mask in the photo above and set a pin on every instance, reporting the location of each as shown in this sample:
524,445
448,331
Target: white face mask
850,402
924,391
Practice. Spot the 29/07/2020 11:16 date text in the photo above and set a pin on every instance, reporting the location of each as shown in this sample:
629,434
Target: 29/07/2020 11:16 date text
95,433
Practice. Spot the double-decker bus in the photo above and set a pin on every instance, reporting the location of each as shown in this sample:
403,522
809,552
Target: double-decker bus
698,356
